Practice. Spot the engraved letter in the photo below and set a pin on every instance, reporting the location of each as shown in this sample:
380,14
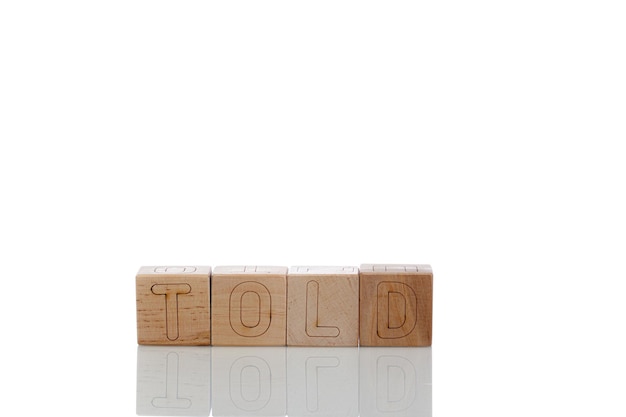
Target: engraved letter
313,328
397,310
171,292
250,309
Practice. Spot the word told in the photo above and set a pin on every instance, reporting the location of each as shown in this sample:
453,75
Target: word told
374,305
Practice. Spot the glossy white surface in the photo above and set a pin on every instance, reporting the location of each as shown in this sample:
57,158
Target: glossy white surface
264,381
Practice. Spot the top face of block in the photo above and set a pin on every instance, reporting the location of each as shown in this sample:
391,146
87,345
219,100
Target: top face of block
250,270
323,270
396,269
174,270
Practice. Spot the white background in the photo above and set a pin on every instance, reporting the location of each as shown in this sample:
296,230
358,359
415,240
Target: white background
484,138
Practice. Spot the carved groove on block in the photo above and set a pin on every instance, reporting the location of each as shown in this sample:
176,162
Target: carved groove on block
171,293
237,305
385,328
175,269
313,328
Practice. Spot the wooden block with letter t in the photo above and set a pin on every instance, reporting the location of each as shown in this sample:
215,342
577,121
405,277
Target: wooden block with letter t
396,303
249,305
173,305
323,306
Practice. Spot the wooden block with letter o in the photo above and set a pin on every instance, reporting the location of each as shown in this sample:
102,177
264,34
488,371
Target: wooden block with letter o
396,303
173,305
249,305
323,306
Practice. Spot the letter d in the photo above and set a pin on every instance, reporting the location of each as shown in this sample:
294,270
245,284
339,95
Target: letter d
397,310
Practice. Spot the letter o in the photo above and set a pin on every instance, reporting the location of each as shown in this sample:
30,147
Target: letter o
250,316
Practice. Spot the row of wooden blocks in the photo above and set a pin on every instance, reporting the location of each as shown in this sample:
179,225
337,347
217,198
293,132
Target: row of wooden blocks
374,305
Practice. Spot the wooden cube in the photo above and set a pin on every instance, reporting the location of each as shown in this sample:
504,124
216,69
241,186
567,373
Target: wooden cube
249,305
396,305
323,306
173,305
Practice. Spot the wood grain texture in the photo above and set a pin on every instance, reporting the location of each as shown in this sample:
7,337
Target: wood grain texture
396,304
323,306
173,305
249,306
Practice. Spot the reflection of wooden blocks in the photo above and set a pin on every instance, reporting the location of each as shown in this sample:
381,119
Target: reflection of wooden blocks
248,381
395,382
173,305
396,305
249,305
323,382
323,306
173,381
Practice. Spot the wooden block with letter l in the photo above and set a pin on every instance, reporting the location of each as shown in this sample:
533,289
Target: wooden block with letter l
173,305
396,303
249,305
323,306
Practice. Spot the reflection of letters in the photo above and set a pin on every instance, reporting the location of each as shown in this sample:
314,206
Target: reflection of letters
396,384
171,399
250,309
171,293
397,310
250,383
323,382
313,365
173,381
313,328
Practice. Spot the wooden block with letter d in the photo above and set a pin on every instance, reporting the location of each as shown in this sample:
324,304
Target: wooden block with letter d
249,305
323,306
173,305
396,303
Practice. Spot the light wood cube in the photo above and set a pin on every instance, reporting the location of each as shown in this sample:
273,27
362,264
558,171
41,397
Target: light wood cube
323,306
173,305
396,305
249,305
